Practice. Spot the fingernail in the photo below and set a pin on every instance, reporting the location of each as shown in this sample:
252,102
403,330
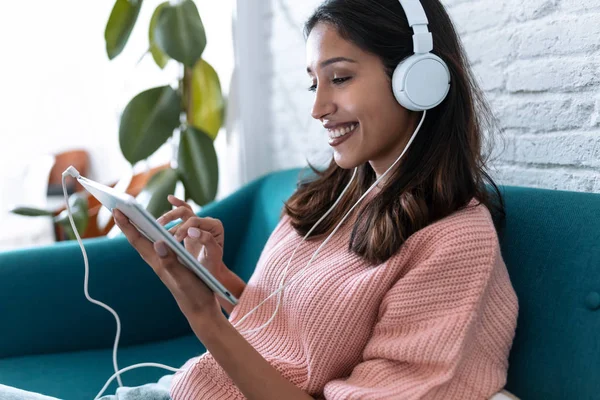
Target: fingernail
160,220
193,232
161,249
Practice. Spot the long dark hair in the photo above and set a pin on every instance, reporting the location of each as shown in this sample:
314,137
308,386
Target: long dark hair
445,166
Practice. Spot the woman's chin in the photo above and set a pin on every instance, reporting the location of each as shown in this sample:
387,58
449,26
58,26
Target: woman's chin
344,161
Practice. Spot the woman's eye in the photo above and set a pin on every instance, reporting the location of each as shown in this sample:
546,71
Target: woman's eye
338,81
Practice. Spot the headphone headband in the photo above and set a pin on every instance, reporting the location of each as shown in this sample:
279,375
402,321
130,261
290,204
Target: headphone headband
414,12
417,20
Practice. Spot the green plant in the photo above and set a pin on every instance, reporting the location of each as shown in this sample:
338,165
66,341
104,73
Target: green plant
195,109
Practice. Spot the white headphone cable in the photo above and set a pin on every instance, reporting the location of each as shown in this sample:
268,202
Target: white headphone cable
303,271
75,174
281,287
119,372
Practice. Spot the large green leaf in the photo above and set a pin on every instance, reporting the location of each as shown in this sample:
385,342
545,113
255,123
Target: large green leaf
154,196
206,108
158,55
120,24
180,33
148,121
198,166
79,208
32,212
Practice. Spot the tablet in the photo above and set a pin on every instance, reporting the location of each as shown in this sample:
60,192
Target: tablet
153,231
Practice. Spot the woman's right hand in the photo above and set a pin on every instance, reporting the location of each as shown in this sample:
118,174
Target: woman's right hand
202,237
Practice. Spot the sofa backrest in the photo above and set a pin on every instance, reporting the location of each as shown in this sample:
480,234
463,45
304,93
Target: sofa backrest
551,245
550,242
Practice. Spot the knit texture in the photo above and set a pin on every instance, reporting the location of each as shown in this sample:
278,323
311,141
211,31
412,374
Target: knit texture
435,321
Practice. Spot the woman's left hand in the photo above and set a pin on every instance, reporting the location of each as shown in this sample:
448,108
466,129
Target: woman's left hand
197,302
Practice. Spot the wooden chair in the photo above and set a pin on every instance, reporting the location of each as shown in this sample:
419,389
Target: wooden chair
80,160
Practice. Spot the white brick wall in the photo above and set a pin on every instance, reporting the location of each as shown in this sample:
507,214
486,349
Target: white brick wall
538,62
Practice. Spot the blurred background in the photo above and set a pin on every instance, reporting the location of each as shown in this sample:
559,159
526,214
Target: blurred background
71,72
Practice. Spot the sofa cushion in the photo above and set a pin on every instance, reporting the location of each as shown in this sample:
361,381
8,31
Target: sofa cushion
81,375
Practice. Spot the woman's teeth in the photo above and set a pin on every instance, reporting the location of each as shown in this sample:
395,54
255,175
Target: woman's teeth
342,131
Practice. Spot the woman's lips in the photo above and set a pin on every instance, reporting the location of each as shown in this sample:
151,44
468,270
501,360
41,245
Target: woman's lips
335,141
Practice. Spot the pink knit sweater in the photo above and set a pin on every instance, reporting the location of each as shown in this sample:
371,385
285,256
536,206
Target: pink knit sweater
435,321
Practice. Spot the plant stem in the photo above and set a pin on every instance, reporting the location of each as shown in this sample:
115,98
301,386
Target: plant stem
185,93
185,87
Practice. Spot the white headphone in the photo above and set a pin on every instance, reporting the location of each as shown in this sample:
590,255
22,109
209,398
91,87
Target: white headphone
421,81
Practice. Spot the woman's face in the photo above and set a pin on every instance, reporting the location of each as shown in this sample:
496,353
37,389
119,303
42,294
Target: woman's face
354,101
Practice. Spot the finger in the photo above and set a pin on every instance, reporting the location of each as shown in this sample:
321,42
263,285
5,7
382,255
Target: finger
137,240
163,251
211,225
180,212
203,246
176,201
194,246
184,226
167,263
211,247
169,269
173,230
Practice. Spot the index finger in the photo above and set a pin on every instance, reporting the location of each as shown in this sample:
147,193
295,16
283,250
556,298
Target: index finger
176,201
180,212
210,225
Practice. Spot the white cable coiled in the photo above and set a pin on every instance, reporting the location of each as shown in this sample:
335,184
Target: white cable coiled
75,174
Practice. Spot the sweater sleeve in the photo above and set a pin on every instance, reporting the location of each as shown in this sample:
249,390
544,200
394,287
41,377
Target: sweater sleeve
439,333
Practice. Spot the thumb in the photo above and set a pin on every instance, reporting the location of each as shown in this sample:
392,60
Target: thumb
205,244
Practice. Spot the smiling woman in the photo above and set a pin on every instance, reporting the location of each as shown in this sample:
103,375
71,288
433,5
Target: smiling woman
352,55
410,298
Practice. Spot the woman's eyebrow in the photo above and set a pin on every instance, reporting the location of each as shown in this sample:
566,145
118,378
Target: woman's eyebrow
333,60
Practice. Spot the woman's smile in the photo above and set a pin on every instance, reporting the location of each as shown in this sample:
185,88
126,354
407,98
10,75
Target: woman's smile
341,132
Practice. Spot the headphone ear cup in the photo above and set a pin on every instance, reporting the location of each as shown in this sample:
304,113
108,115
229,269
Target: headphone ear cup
421,82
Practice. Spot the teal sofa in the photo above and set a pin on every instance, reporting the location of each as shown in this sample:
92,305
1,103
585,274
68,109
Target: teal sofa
53,341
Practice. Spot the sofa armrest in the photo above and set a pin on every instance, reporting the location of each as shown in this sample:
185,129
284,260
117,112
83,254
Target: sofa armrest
43,308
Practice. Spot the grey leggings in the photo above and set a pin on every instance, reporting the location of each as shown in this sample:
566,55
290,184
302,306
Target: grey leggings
150,391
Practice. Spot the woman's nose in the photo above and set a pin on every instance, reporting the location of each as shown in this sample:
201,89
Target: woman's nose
323,105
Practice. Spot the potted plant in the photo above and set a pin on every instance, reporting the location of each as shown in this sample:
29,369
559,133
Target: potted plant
190,115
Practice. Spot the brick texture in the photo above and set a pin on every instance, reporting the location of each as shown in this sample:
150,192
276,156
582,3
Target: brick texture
537,61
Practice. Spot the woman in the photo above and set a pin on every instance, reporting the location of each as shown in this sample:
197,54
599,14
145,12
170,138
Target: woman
410,297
